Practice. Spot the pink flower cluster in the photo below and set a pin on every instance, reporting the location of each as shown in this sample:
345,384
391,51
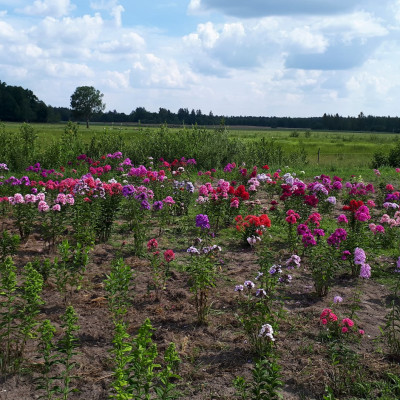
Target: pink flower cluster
346,325
292,217
392,222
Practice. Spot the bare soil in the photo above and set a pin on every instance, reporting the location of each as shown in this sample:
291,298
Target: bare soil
214,354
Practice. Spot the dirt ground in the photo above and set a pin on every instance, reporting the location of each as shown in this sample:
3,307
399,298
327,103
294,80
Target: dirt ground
214,354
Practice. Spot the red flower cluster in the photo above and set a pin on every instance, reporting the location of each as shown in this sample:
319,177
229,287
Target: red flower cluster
353,206
240,192
253,222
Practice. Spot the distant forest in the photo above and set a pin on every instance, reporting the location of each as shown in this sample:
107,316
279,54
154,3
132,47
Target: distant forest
21,105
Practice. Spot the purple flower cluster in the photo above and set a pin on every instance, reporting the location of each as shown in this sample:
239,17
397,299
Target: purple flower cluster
337,237
202,221
117,154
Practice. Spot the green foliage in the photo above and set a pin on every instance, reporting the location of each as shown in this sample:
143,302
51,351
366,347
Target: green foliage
46,350
118,288
44,267
19,308
66,347
70,267
265,382
392,325
202,271
30,309
9,245
135,373
8,308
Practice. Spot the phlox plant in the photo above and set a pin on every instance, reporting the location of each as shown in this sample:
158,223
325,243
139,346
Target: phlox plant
66,351
136,211
292,219
259,309
264,384
391,329
107,210
252,225
9,245
20,307
160,265
335,328
25,214
183,194
70,267
136,373
82,217
359,215
118,286
53,219
202,270
221,204
324,261
256,317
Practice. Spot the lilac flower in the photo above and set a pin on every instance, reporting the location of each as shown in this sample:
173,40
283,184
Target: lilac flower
145,205
249,284
261,293
293,261
275,269
331,200
365,271
202,221
239,288
337,299
397,270
359,256
192,250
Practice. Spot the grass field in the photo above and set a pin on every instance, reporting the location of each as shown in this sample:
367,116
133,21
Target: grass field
329,149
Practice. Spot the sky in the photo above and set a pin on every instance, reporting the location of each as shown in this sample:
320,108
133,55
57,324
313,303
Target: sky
296,58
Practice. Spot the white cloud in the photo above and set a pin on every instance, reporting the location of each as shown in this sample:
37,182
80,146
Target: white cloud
116,80
153,71
112,7
129,42
79,32
51,8
67,70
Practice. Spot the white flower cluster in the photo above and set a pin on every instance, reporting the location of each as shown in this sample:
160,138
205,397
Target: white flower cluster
267,331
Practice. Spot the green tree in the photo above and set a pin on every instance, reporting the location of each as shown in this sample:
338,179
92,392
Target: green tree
86,101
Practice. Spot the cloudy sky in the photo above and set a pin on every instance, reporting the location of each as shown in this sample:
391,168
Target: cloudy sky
232,57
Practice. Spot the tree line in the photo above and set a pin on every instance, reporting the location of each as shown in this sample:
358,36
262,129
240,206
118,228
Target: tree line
21,105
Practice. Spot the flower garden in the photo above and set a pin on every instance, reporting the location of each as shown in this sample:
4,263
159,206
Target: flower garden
163,280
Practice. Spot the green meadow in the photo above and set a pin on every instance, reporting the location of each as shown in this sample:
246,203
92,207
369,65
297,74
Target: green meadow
330,150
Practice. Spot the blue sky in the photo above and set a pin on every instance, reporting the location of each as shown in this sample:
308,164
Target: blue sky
232,57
